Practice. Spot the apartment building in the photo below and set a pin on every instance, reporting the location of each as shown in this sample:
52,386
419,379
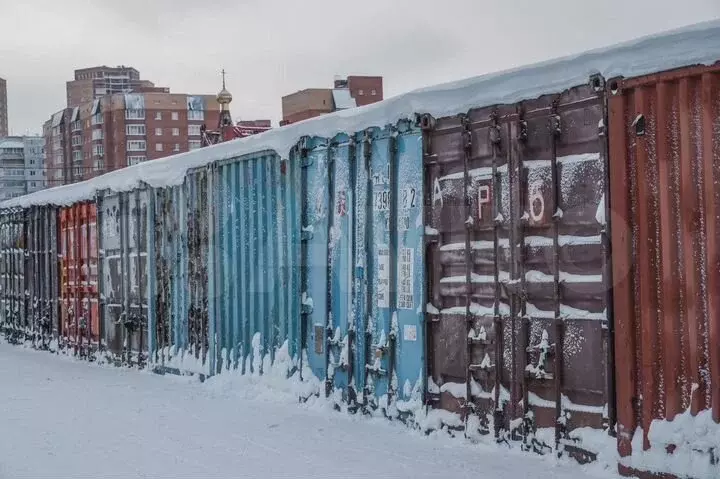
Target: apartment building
120,130
95,82
346,93
22,165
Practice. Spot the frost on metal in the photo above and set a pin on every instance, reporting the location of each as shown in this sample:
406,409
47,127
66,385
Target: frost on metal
696,44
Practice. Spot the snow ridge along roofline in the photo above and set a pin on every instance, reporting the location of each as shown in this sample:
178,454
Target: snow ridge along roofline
698,44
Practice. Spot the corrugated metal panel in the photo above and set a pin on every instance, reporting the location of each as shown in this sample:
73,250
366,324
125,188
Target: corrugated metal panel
256,279
79,327
43,313
179,325
123,275
13,300
665,150
518,268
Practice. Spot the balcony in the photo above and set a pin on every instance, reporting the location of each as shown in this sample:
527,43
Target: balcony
10,156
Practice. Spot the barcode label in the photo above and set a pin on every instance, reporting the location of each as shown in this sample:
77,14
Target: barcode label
405,279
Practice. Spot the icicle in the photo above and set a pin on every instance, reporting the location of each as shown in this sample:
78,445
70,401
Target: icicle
382,342
407,389
345,352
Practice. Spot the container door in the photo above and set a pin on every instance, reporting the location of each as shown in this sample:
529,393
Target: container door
113,271
518,319
12,281
340,332
197,274
319,183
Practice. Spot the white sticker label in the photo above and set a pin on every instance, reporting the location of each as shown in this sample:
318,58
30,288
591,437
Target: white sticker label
383,284
410,332
405,279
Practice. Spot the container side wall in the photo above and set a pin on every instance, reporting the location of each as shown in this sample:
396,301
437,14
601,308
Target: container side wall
257,302
665,163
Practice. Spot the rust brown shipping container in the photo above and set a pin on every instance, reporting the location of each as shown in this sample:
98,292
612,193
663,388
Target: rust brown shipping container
664,133
80,327
518,269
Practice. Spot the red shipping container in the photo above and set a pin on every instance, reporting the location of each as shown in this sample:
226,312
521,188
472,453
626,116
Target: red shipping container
664,138
78,276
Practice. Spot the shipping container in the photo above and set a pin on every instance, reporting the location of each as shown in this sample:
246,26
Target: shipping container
179,329
42,269
517,266
13,300
362,255
255,261
665,167
122,271
79,320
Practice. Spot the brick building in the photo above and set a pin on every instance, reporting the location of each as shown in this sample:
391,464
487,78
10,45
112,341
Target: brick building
93,83
3,109
346,93
119,130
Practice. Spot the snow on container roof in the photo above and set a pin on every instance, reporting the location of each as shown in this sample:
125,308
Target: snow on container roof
697,44
342,98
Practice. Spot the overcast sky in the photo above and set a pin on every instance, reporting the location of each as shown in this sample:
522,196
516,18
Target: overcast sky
275,47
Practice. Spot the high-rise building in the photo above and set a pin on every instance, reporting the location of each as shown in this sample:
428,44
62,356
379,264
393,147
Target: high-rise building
22,166
120,130
3,109
346,93
93,83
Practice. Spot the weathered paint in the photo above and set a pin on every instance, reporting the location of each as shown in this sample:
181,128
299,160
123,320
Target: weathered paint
43,314
178,277
257,268
14,320
363,257
665,163
124,282
79,325
518,316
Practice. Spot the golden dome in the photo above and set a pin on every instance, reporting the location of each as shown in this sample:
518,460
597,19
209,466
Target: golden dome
224,97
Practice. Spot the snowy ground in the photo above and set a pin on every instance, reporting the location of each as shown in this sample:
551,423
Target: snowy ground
70,419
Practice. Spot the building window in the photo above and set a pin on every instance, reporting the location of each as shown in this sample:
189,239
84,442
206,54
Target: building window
194,144
77,140
77,156
98,134
136,145
134,114
193,130
158,131
361,92
174,116
177,147
32,173
196,115
135,159
77,125
176,131
33,184
97,119
373,92
98,150
135,130
99,165
158,115
158,147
